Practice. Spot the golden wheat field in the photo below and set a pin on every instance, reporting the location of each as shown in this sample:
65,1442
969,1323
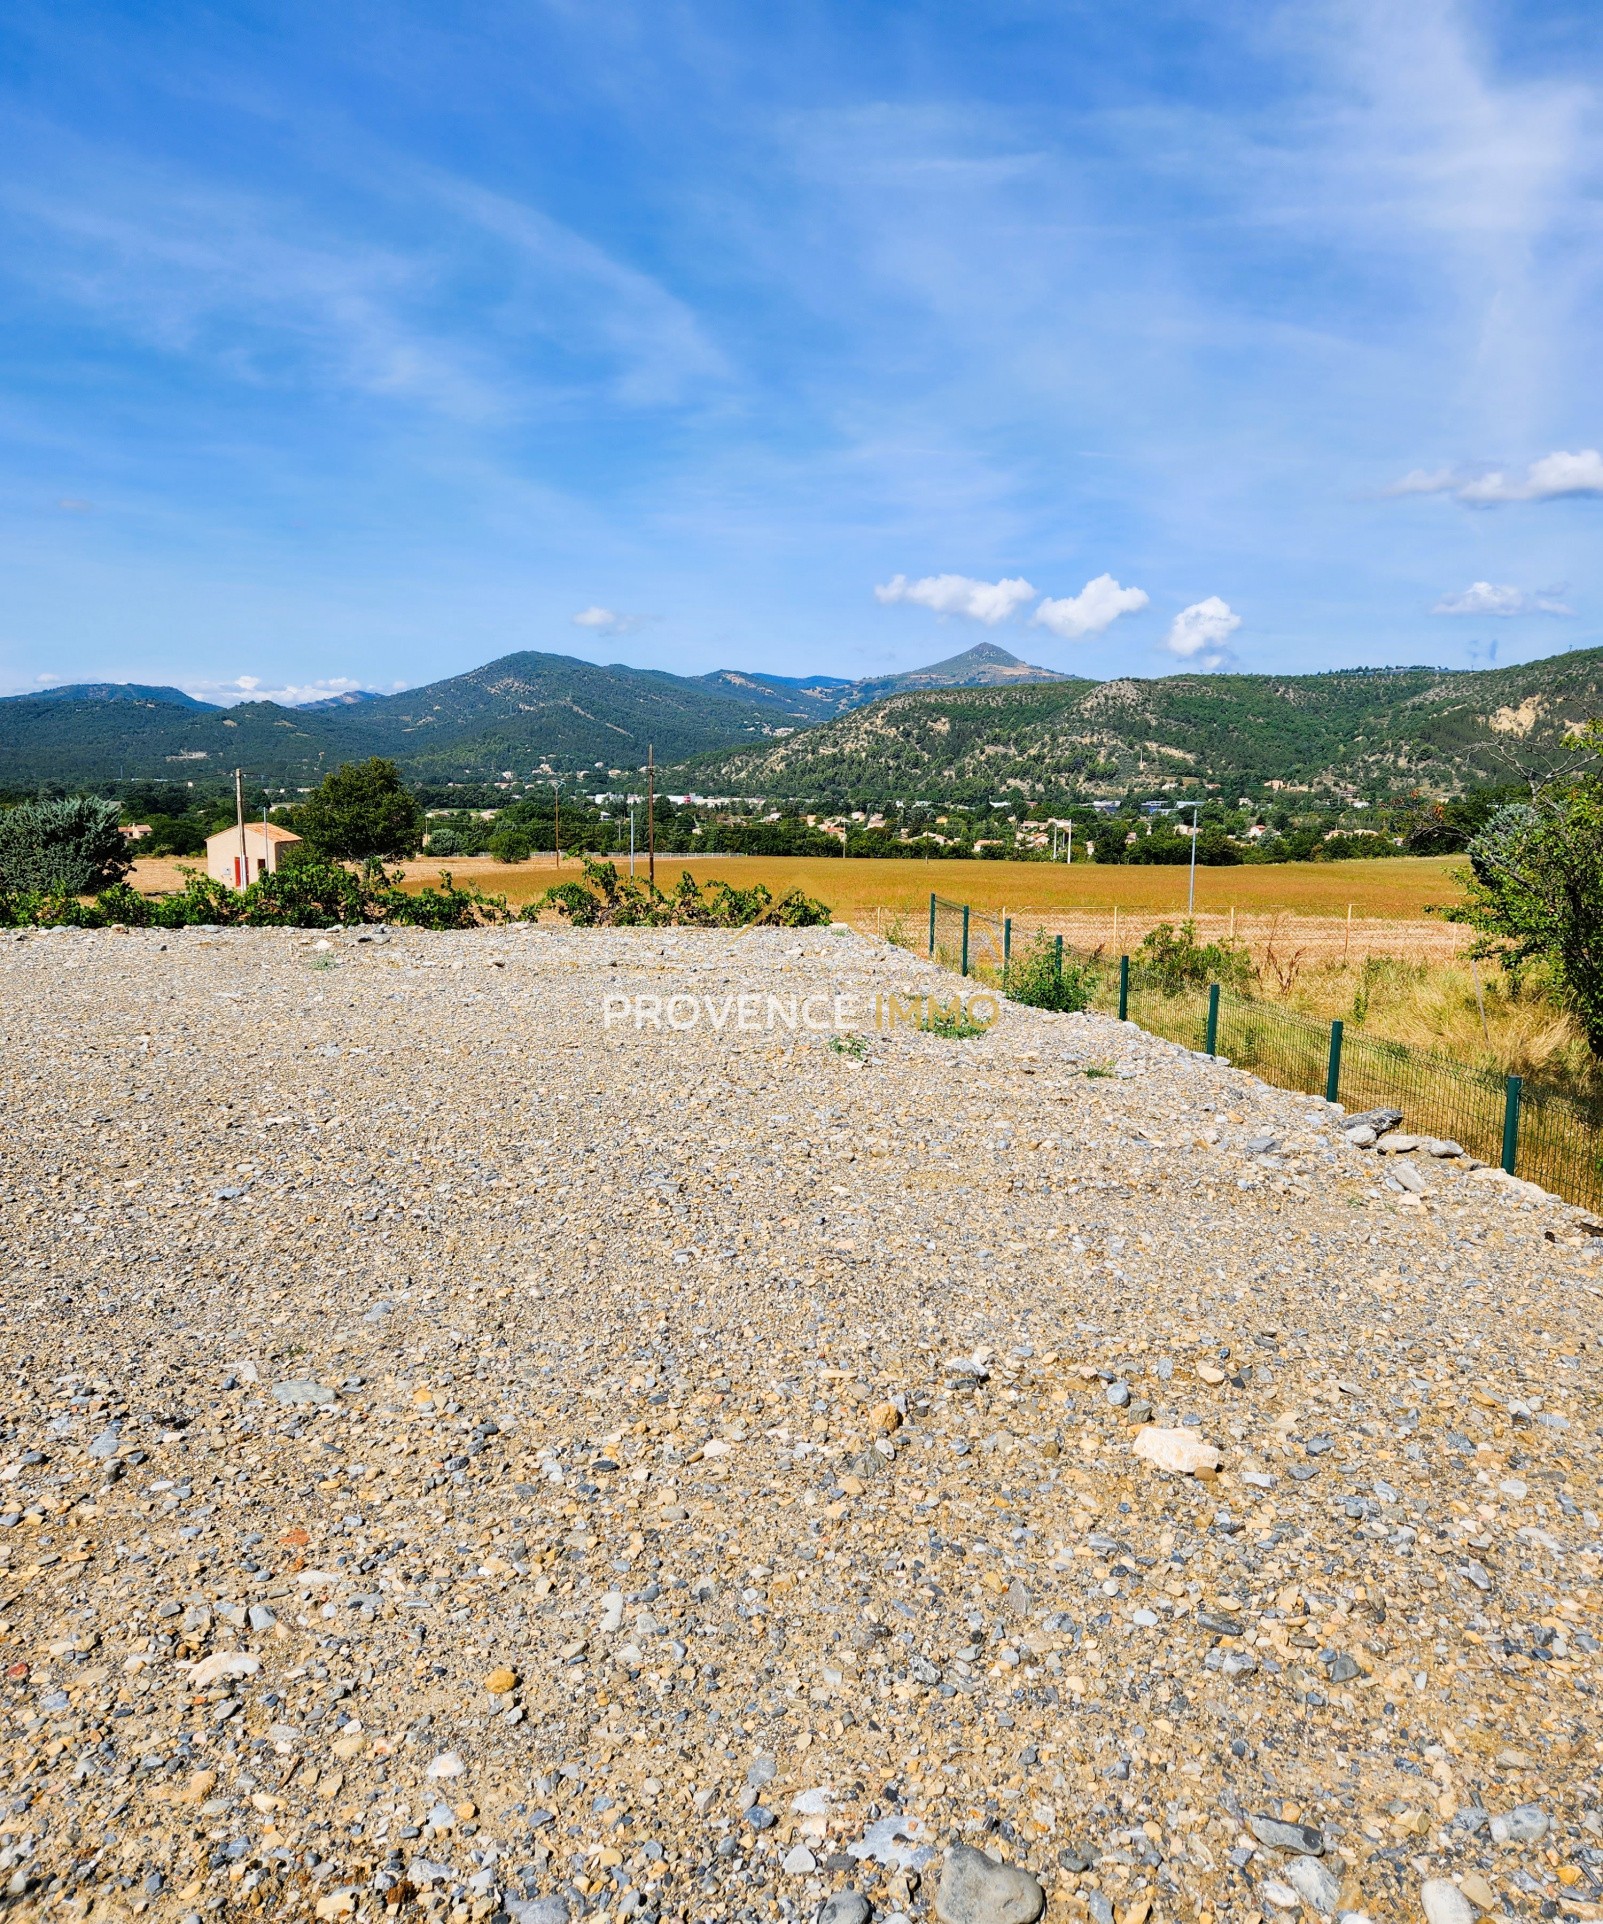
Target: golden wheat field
1401,889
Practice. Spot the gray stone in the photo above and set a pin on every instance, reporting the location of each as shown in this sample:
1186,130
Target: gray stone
105,1444
1410,1179
1099,1907
844,1907
1119,1394
1363,1137
1302,1838
1442,1146
1315,1885
798,1862
760,1819
1444,1903
1524,1824
1342,1668
297,1391
1380,1120
1219,1623
1261,1145
974,1890
261,1618
537,1910
1399,1145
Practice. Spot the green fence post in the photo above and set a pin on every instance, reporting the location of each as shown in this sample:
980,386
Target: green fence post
1211,1040
1057,961
1333,1072
1511,1121
1124,988
1007,946
932,921
965,938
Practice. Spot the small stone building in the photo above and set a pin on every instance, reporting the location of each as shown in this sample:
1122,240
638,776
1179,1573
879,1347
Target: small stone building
265,843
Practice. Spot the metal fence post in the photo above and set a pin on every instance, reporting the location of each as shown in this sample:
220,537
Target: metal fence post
1124,988
1511,1121
1057,961
1007,946
932,921
1333,1072
1211,1040
965,938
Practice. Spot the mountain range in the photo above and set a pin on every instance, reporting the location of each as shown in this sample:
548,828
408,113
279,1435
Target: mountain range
525,712
980,725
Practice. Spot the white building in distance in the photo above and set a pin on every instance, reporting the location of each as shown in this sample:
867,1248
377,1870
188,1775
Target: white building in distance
265,843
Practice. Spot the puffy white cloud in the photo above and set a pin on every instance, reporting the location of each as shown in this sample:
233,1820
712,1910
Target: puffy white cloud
1494,598
1199,633
987,601
607,621
1097,606
1549,479
286,694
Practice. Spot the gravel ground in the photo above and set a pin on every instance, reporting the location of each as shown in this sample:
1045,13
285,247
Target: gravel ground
464,1460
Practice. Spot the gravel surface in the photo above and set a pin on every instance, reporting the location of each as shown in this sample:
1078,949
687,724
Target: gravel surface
466,1460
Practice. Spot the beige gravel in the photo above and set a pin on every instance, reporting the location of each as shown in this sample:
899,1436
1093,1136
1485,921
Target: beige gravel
717,1489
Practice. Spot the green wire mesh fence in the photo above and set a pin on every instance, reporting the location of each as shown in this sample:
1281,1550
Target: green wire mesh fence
1543,1135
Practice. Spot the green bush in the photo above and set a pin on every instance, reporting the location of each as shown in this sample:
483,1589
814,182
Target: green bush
1535,892
511,844
69,846
309,895
602,900
1041,977
1172,959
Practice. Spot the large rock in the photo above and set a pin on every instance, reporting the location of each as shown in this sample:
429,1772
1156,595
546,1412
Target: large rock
1281,1836
1444,1903
1318,1888
1182,1452
974,1890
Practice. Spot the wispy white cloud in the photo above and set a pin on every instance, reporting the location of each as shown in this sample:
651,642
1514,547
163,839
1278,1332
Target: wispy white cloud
1198,634
1548,479
607,621
1494,598
1096,607
987,601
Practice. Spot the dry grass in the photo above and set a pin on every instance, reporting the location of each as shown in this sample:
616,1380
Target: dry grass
1474,1014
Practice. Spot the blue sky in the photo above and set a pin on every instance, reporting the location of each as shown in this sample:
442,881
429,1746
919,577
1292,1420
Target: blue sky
358,344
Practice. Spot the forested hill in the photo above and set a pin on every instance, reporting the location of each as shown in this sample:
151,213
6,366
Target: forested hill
1374,730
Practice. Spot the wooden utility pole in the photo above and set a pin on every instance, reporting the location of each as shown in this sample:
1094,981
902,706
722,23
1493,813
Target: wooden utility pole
651,817
556,792
239,811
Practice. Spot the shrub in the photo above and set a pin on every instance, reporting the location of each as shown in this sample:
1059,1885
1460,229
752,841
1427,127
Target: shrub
309,895
511,844
1172,959
1041,977
1535,893
70,846
603,900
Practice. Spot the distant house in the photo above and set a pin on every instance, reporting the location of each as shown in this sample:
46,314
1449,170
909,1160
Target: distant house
136,831
265,844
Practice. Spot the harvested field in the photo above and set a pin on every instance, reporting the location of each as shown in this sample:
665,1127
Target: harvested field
1291,940
469,1459
1400,889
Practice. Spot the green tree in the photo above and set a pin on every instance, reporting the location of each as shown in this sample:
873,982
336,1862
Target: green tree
1535,892
68,846
361,812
